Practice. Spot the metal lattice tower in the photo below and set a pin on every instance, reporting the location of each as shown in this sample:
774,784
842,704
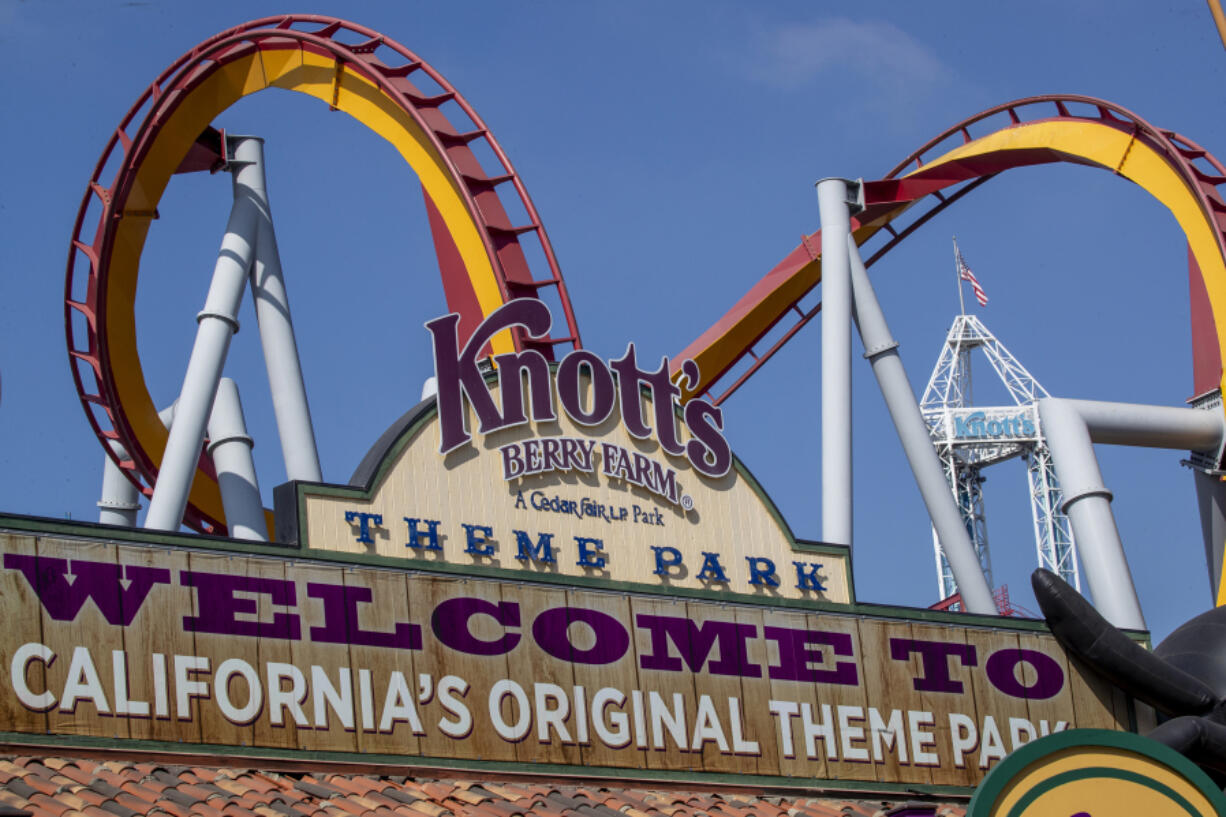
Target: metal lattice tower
969,438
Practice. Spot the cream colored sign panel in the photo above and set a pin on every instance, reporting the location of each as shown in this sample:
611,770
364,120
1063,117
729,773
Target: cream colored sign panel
600,505
221,650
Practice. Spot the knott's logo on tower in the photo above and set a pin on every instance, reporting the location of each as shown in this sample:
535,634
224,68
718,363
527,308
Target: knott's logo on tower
461,380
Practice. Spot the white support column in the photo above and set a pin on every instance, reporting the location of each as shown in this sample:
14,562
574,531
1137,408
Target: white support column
216,324
120,499
1088,505
882,351
289,399
230,448
832,200
1071,428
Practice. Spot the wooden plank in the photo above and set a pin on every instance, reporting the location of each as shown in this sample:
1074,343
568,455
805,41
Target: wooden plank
153,639
552,739
332,703
286,685
753,722
84,645
995,707
1047,713
618,676
388,690
469,677
943,704
1093,697
663,676
783,744
711,726
208,609
888,685
23,620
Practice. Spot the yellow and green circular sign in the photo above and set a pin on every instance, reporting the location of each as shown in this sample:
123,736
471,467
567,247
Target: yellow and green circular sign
1096,773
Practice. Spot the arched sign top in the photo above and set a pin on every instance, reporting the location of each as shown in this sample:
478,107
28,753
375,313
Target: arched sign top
482,262
1177,172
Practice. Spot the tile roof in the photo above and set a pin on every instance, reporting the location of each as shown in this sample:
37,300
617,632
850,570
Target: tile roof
79,787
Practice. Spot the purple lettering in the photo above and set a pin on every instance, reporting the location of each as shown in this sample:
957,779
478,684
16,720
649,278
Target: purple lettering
93,580
552,633
510,385
694,643
451,627
797,650
1002,672
629,379
458,376
708,452
512,462
341,624
934,656
219,608
569,385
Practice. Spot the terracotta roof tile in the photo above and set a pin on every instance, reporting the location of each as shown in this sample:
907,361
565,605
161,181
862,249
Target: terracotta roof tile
77,787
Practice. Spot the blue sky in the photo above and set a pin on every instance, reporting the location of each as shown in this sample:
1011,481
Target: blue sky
671,150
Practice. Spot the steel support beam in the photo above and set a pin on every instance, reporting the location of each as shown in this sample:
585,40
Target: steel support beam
216,325
882,352
289,399
230,447
833,196
1071,427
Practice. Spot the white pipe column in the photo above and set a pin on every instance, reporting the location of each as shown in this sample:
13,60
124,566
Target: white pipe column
216,325
882,352
289,399
1088,505
230,447
120,499
1071,427
832,200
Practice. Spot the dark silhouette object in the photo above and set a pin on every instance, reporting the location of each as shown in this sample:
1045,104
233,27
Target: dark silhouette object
1184,678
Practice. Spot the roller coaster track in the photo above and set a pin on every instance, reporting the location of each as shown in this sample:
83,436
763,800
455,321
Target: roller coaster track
1032,131
353,69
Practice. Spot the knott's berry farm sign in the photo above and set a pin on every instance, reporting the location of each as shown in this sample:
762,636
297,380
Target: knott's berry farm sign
583,470
548,564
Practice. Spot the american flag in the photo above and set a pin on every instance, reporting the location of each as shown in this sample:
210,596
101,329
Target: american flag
964,272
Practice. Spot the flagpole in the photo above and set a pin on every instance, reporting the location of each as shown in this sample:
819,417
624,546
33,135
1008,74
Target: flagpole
958,275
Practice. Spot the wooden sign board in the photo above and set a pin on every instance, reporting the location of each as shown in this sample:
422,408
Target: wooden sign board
180,643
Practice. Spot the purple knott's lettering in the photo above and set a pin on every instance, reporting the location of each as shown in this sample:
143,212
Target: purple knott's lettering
629,377
708,452
798,651
341,625
569,384
551,631
1002,667
694,644
99,581
458,376
451,628
219,608
511,386
934,656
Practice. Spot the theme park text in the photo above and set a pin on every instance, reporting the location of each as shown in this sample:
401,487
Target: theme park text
459,377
